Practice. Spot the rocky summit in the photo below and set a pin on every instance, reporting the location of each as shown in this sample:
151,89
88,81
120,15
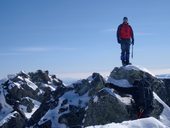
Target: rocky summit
40,100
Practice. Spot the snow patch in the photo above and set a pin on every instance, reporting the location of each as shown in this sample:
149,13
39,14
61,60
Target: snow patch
165,116
120,83
31,84
95,100
140,123
75,99
6,108
137,68
125,100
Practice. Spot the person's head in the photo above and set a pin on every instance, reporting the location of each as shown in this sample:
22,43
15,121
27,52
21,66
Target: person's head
125,19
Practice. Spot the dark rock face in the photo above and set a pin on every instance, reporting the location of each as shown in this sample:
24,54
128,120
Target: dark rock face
14,120
74,117
40,77
167,87
158,109
47,124
106,109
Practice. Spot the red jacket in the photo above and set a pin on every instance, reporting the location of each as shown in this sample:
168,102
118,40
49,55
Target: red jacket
125,32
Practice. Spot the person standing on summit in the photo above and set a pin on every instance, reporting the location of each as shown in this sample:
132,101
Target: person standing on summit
125,38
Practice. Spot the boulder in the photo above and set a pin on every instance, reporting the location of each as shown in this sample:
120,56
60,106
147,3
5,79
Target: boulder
14,120
131,73
105,108
73,118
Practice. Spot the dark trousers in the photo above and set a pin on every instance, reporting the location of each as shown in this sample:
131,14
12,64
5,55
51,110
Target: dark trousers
125,50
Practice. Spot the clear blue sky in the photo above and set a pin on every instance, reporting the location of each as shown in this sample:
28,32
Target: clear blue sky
71,37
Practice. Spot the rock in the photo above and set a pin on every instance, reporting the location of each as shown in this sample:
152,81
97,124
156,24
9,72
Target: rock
90,85
65,101
131,74
57,82
97,84
82,87
158,109
14,120
167,87
17,92
22,74
28,103
47,124
90,103
40,77
38,114
105,110
73,118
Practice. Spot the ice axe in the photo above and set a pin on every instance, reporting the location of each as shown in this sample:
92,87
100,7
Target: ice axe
132,51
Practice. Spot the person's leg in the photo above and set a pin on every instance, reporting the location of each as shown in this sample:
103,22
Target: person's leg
123,53
127,52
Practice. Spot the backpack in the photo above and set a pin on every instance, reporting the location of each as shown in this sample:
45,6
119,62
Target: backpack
146,93
125,31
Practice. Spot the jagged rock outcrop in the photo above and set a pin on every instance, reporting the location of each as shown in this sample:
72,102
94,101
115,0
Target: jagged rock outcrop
38,99
131,73
105,108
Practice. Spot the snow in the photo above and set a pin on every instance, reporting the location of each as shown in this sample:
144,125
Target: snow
50,86
139,123
19,77
53,116
95,100
165,116
137,68
36,106
74,98
82,101
150,122
10,115
6,108
125,100
120,83
31,84
90,79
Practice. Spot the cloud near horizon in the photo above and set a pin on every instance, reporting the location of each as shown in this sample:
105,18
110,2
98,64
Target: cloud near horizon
44,49
105,74
21,50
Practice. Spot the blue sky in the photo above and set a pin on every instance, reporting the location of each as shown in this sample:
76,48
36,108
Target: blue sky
75,37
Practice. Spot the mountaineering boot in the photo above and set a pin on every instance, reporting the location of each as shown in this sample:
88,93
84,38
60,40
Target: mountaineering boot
128,63
123,63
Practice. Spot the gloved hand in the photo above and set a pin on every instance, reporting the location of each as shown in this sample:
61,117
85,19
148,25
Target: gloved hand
119,41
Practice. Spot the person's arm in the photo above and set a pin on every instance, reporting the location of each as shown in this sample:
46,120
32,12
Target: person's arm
127,90
118,34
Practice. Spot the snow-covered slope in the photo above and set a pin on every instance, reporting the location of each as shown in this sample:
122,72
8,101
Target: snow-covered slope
140,123
42,100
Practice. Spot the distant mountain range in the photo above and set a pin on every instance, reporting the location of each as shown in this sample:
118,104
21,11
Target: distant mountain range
163,76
